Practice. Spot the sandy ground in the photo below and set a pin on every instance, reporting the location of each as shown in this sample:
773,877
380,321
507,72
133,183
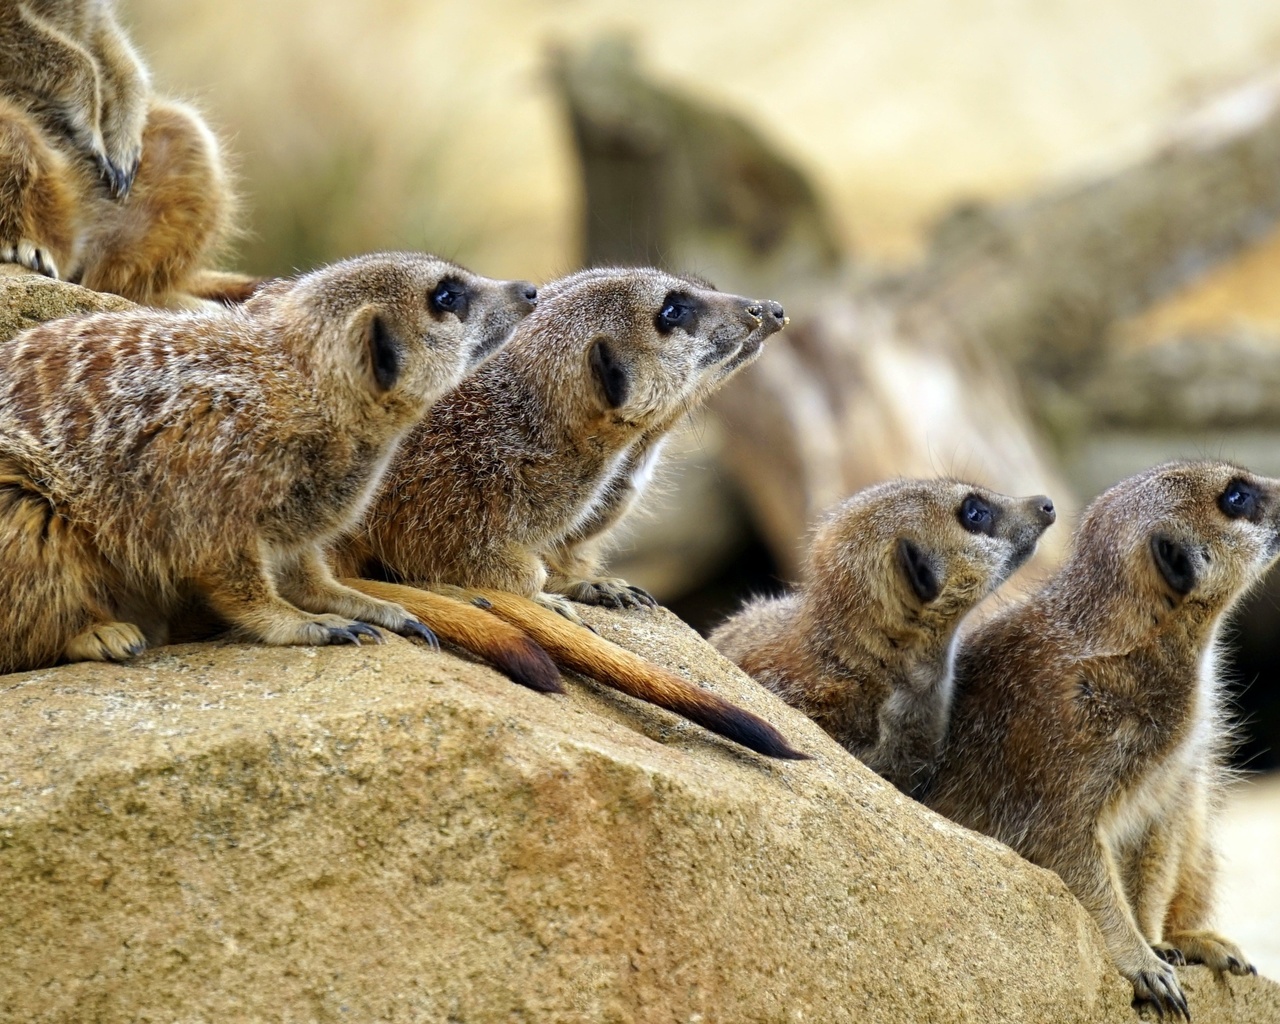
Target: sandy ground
1249,908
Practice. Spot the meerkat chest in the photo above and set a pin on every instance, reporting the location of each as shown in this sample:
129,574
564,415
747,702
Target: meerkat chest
1162,785
594,489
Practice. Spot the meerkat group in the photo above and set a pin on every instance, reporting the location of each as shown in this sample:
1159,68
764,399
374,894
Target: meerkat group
271,463
102,182
1085,726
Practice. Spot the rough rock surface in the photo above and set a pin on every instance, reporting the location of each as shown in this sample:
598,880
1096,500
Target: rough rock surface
228,832
27,299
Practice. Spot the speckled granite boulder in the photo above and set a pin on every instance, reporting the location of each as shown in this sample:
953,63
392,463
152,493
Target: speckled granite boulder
226,833
27,299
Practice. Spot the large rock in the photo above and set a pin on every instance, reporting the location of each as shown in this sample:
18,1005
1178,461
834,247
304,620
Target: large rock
27,298
225,832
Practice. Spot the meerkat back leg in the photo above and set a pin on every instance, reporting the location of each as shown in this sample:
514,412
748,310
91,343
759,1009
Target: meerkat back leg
1150,872
1188,911
53,586
38,200
240,590
146,245
124,89
304,579
1090,871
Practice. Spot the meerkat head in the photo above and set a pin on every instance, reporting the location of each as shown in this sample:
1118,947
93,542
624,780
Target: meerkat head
1181,539
652,344
911,554
400,328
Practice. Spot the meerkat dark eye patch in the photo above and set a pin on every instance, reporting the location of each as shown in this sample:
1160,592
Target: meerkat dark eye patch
384,353
977,516
919,571
1241,500
1174,563
449,296
677,310
612,374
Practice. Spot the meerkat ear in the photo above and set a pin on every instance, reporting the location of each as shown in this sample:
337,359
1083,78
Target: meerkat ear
919,572
384,352
1175,564
611,373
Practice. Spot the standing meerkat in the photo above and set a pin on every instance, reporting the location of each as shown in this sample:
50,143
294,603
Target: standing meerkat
149,456
1088,730
101,182
864,645
536,454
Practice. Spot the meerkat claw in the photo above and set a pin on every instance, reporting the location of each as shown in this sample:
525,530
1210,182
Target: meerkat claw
1170,954
644,597
364,629
27,254
351,633
1161,991
412,627
119,179
338,635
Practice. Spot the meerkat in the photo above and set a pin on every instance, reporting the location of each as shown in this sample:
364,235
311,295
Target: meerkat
149,456
536,453
864,645
1088,729
101,182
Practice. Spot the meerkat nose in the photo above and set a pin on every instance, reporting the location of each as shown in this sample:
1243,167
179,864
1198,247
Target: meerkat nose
775,311
1045,510
527,292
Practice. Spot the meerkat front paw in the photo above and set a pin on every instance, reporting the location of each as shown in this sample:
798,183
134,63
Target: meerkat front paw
321,630
31,255
386,614
391,616
1208,948
107,641
610,592
1159,987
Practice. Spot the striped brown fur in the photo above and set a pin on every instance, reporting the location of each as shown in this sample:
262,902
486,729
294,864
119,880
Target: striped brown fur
149,456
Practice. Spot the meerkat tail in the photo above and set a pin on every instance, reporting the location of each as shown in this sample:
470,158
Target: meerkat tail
474,630
573,647
223,286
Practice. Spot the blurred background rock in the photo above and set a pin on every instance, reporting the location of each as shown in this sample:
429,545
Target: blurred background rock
1033,245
